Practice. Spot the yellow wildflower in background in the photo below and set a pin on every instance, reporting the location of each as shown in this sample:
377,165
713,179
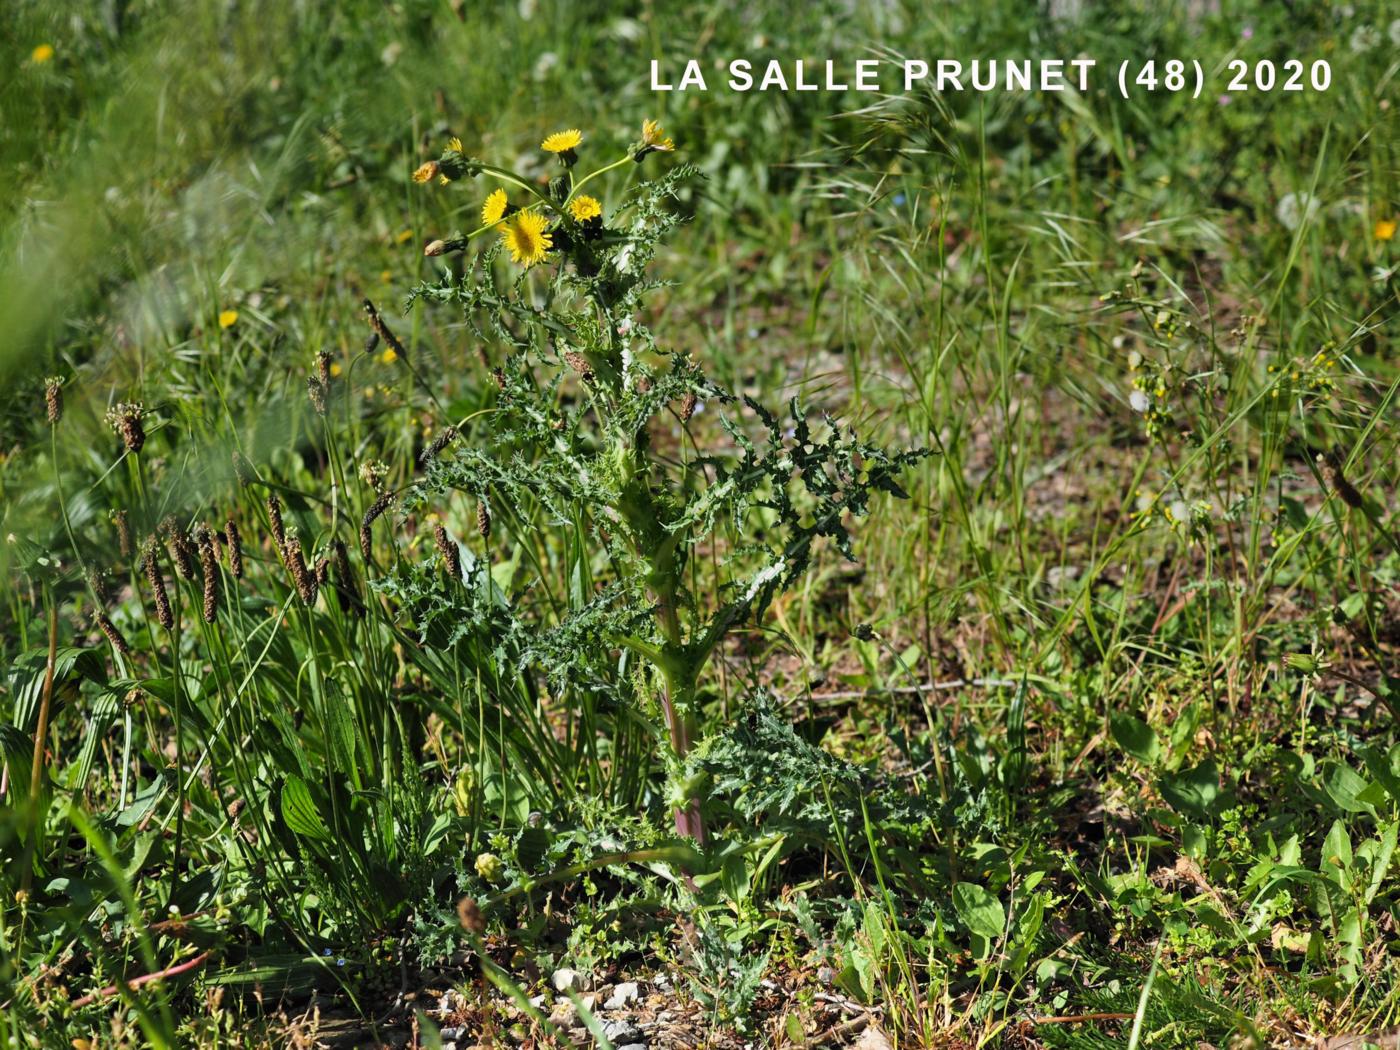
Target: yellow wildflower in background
526,238
228,318
388,356
654,137
427,171
454,143
1385,229
404,236
584,207
41,54
563,141
494,209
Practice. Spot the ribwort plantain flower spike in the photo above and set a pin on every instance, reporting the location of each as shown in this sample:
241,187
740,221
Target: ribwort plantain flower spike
165,616
114,637
53,399
234,542
378,507
209,571
447,547
126,419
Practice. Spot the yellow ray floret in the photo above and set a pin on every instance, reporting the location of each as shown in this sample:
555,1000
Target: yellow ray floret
494,209
1385,229
654,137
562,141
584,207
526,238
427,171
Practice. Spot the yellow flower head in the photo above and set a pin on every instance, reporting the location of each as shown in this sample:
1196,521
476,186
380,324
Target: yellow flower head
427,171
388,356
563,141
41,54
654,137
454,143
494,210
228,318
584,207
526,238
1385,229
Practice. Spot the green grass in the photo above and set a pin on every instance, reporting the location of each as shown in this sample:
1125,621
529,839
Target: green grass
1110,695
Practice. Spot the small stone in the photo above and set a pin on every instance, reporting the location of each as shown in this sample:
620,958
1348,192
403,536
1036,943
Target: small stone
538,1001
633,1046
622,1033
624,993
872,1039
566,980
564,1014
826,975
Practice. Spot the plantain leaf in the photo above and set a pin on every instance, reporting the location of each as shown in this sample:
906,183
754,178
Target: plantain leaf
300,812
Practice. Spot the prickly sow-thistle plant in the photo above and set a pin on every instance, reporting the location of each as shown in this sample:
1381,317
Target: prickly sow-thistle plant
688,532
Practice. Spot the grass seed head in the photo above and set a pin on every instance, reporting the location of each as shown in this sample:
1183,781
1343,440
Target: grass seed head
483,519
688,404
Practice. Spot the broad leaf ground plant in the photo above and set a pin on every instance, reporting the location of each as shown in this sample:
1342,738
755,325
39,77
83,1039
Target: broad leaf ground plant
635,551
